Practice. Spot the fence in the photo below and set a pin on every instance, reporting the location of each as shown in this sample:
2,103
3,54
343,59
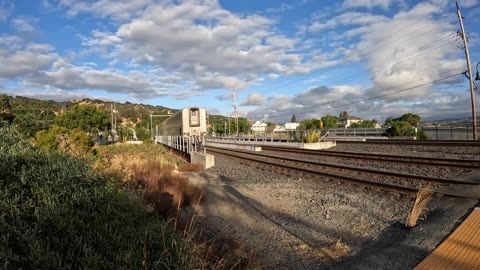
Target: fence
184,144
433,133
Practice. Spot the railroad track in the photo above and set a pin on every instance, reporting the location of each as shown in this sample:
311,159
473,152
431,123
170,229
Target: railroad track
342,173
413,142
422,161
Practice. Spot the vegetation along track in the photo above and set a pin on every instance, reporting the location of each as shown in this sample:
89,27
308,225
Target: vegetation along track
343,173
424,161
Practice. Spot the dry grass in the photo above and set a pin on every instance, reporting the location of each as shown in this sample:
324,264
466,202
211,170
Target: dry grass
158,181
419,206
334,251
190,167
166,191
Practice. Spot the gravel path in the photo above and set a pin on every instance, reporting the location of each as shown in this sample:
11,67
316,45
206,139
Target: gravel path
297,223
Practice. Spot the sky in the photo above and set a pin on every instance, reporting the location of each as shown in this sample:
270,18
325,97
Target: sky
371,58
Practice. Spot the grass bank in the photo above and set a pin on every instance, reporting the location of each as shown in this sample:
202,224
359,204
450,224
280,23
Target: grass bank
56,212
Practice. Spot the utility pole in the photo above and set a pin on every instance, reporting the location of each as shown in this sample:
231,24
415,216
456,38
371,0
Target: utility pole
235,109
151,126
470,76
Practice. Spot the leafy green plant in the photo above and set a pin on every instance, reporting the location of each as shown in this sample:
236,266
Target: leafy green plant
312,136
58,213
85,117
74,142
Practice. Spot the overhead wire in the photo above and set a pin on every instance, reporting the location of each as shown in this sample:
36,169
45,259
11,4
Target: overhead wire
285,113
346,60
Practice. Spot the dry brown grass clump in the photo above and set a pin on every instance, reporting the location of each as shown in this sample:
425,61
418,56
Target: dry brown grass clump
419,206
335,251
161,186
190,167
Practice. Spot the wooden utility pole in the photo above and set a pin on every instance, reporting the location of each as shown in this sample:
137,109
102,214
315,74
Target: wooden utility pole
470,75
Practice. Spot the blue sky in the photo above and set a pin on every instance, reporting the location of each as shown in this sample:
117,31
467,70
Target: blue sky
372,58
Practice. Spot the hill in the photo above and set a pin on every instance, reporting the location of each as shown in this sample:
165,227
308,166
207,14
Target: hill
34,114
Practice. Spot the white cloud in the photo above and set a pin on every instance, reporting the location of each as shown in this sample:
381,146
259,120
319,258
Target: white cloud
115,9
52,94
207,44
66,76
24,24
254,99
18,60
369,3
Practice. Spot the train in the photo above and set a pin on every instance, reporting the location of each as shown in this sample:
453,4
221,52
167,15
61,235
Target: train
188,122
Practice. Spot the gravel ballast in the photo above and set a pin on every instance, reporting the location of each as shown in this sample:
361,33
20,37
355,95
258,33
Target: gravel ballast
293,222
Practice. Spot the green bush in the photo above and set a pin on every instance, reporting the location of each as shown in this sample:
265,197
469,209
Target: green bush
57,213
401,128
422,135
74,142
312,136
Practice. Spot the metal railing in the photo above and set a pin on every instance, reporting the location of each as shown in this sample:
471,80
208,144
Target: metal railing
432,132
181,143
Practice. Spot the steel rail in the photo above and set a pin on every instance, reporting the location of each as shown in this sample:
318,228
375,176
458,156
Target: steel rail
343,167
412,142
455,163
383,186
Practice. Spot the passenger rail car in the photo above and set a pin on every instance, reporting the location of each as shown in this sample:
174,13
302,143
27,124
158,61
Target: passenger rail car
187,122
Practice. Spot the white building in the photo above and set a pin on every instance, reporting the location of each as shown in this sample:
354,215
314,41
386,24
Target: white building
348,121
291,126
279,128
259,127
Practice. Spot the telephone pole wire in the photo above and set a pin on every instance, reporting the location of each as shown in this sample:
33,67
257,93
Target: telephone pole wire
470,75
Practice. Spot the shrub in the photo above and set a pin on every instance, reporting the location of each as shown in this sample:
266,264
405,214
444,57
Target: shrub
312,136
74,142
422,135
57,213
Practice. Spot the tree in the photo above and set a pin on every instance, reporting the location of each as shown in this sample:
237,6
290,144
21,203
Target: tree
411,118
294,119
85,117
243,125
402,126
389,121
74,142
30,122
364,124
330,121
311,123
343,115
6,114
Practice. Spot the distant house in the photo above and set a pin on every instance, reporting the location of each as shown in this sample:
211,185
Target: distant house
291,126
279,128
259,127
377,125
348,121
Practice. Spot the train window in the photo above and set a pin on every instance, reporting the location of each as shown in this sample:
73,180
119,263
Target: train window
194,118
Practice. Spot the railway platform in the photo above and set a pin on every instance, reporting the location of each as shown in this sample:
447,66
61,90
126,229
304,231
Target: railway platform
461,250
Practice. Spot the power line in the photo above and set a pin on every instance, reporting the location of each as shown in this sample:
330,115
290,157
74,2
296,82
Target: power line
346,60
283,113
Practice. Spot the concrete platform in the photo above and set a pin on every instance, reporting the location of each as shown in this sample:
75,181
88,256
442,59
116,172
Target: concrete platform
206,160
234,146
311,146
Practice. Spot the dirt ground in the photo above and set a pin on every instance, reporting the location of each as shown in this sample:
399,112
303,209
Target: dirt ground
314,223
